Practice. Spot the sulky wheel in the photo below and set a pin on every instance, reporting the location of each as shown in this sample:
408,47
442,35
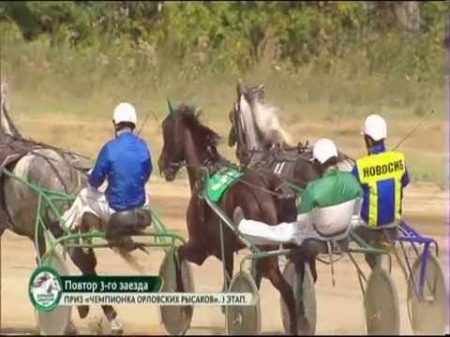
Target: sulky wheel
176,319
429,314
57,321
243,320
306,293
381,304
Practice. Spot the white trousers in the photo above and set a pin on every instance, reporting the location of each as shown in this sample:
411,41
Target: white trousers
333,220
286,232
88,200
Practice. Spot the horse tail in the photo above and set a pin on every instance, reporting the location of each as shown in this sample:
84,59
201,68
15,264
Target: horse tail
123,248
131,260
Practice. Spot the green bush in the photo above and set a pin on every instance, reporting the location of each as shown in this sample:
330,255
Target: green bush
339,52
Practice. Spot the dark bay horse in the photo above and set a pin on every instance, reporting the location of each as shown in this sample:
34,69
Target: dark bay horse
44,166
262,196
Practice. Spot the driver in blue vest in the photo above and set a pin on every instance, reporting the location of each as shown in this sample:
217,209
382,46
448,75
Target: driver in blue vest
125,163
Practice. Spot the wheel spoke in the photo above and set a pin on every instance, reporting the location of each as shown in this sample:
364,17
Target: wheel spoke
308,297
176,319
428,315
243,320
381,304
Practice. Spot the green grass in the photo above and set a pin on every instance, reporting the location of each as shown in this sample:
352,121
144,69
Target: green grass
77,84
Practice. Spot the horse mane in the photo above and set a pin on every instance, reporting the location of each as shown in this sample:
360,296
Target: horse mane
267,121
263,117
203,135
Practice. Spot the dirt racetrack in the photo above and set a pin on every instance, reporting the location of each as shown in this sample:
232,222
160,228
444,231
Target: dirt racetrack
340,309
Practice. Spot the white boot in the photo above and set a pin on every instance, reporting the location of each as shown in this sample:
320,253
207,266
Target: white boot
71,329
116,326
282,260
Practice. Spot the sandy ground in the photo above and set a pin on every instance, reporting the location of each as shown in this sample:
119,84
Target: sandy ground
340,308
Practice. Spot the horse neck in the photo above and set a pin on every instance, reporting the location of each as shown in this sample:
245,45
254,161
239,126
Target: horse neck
194,158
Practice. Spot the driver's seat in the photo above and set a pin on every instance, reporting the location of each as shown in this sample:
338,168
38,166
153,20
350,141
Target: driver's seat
128,222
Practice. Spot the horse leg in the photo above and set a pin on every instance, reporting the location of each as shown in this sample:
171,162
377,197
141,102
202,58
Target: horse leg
71,329
227,259
312,267
299,264
228,262
371,260
195,249
192,251
86,262
229,266
269,268
256,272
41,246
370,238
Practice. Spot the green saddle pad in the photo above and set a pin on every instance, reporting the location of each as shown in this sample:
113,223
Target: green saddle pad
220,182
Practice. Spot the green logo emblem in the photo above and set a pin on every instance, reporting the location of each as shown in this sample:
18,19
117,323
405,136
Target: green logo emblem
45,289
220,182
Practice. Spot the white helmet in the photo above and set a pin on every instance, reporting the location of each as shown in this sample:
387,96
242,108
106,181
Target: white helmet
124,112
324,149
375,127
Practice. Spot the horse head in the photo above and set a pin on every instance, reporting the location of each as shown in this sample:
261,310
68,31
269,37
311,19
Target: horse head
186,140
244,132
255,124
172,155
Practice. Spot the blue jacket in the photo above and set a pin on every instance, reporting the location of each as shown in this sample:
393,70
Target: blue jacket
387,206
126,164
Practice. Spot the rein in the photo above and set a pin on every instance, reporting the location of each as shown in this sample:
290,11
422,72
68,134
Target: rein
204,169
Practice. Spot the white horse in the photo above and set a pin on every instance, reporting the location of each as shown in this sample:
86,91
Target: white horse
256,126
259,116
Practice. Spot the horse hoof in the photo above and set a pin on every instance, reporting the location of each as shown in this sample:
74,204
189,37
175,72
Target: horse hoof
116,327
71,329
104,326
83,311
303,325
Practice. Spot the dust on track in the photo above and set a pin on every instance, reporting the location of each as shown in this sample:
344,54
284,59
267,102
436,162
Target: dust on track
340,308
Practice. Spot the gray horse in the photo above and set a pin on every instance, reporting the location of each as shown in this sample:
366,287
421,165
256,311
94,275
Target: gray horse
52,169
261,142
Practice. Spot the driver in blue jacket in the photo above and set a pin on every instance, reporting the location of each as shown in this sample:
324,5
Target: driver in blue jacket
125,163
